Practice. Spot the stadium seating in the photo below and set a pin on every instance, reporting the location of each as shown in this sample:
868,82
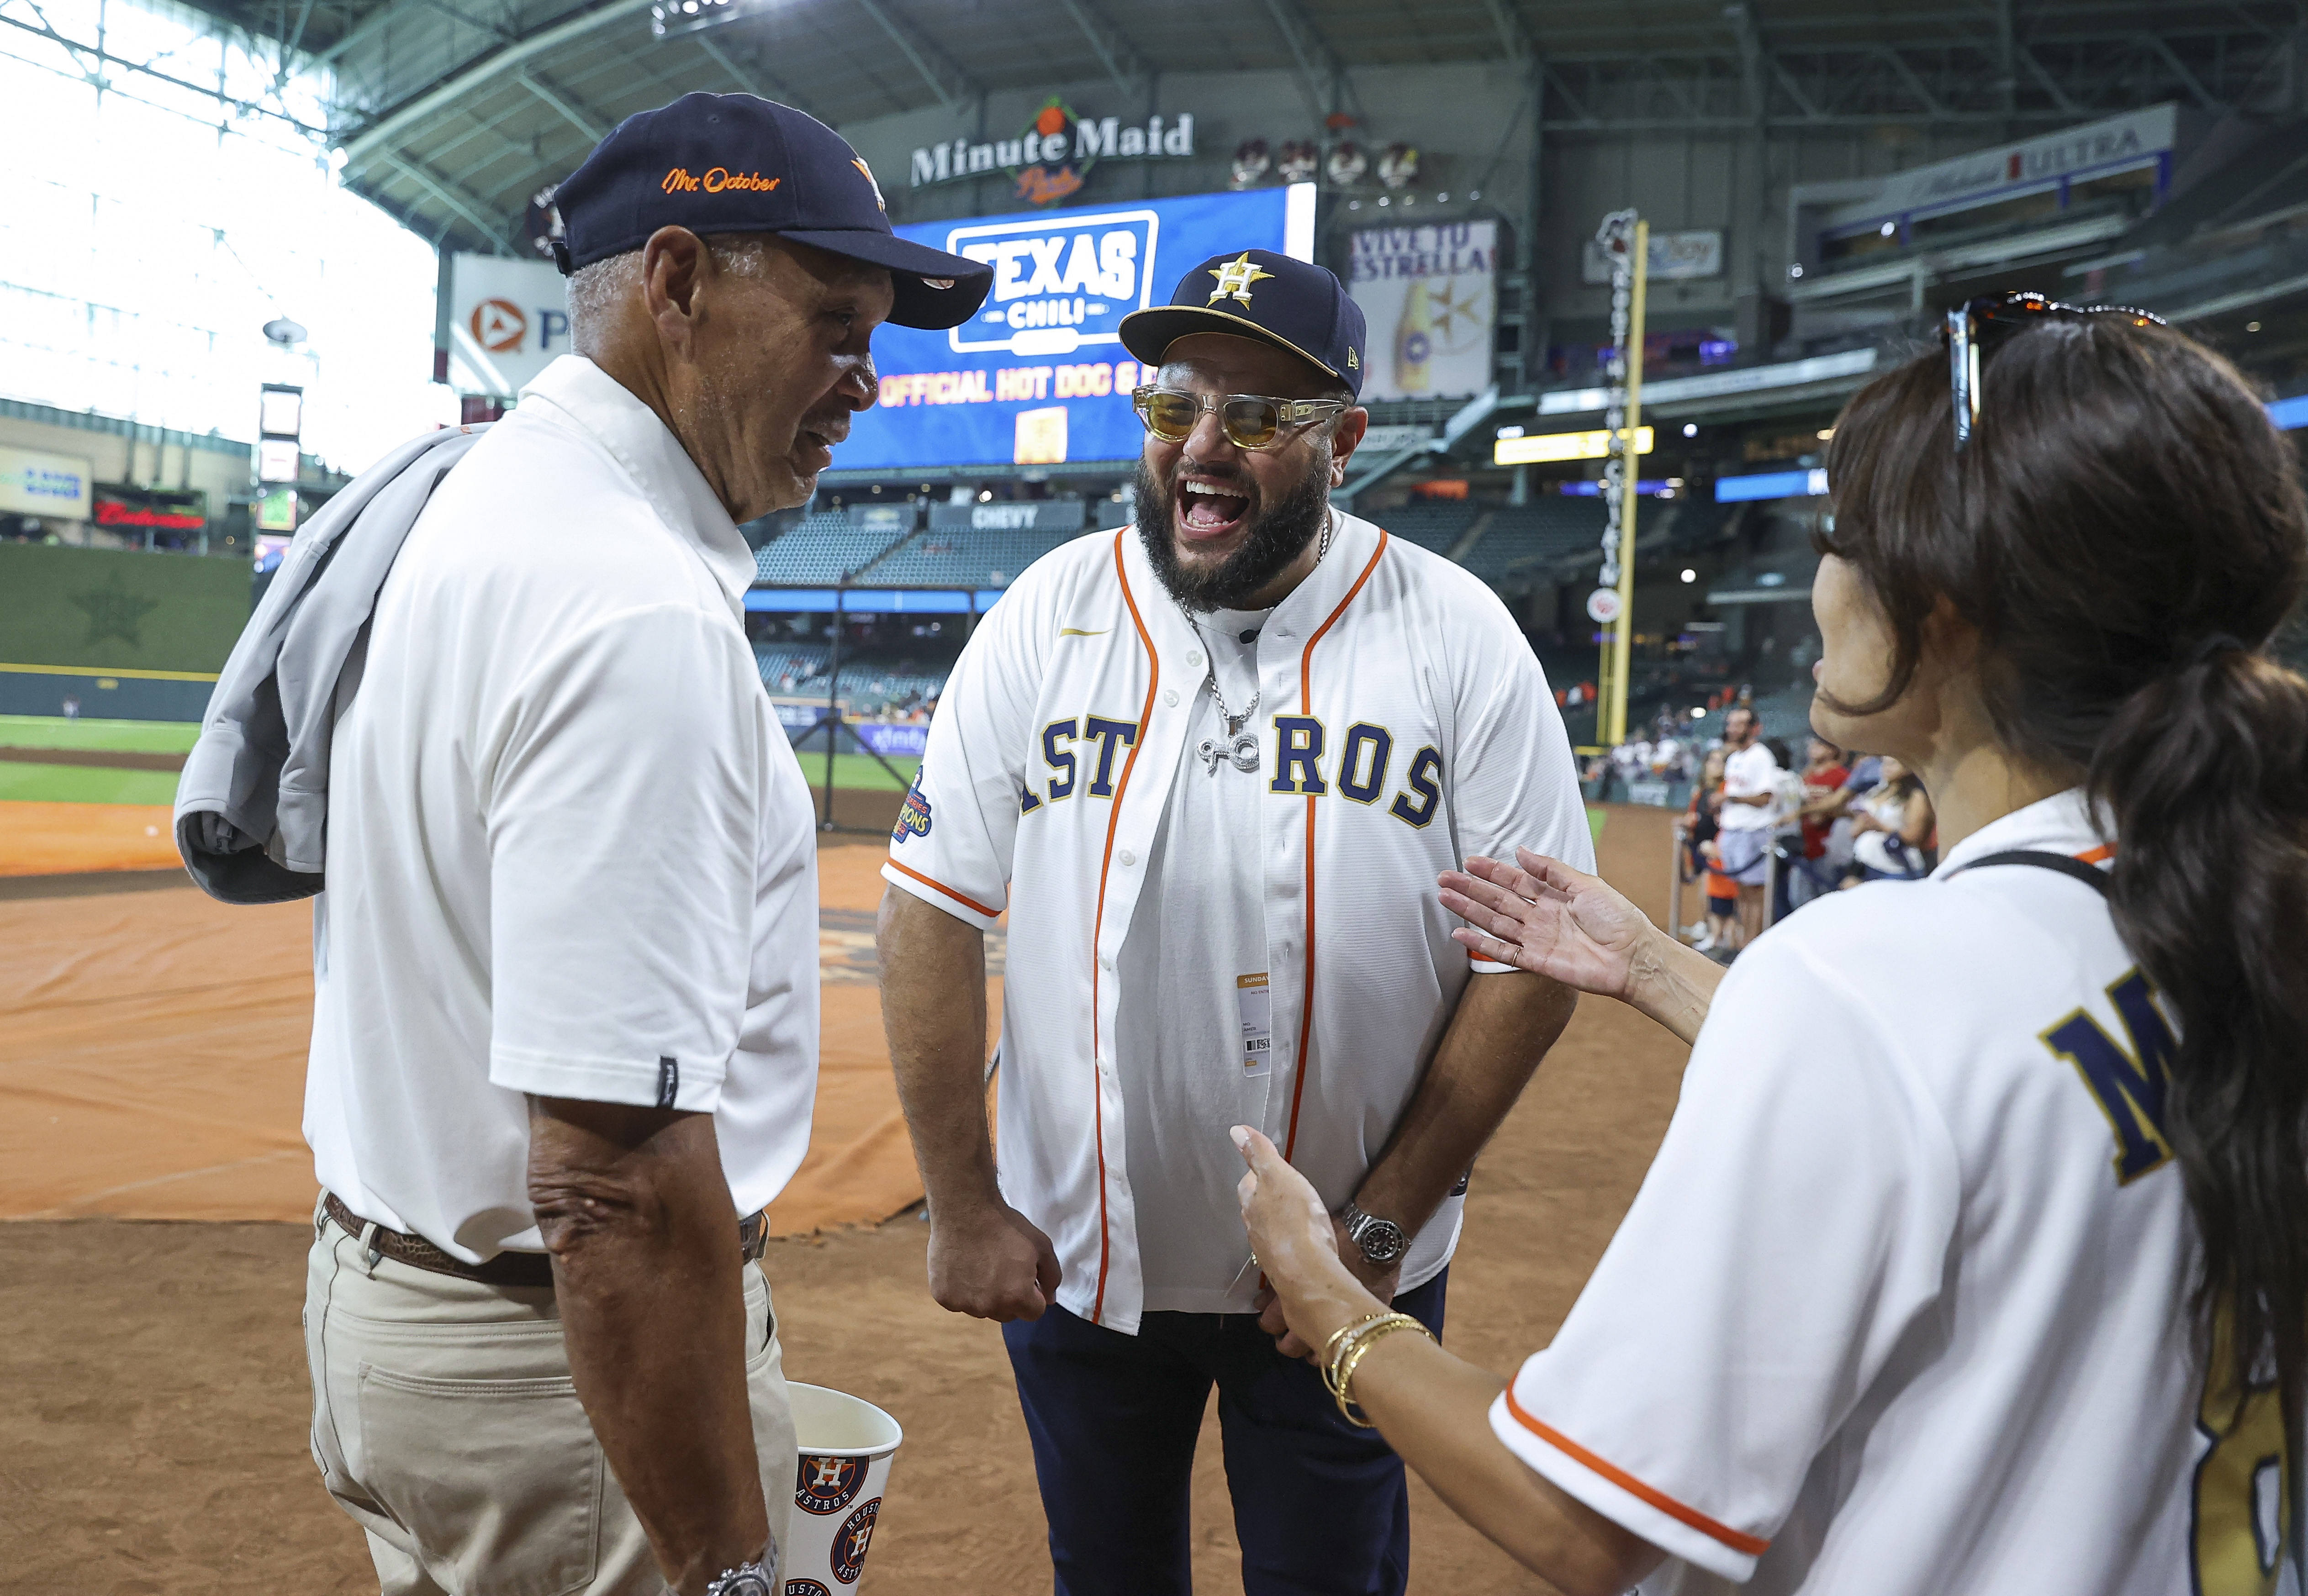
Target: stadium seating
1520,537
819,551
800,661
1436,525
873,683
982,559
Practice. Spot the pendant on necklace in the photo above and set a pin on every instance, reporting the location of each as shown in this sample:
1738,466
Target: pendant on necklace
1241,751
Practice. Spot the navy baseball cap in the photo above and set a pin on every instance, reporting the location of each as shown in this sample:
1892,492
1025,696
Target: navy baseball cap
1256,293
736,163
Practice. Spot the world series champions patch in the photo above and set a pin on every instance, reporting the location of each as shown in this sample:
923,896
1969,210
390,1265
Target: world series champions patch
850,1546
913,815
828,1484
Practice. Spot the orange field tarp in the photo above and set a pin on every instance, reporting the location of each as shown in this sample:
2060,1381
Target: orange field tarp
152,1059
56,839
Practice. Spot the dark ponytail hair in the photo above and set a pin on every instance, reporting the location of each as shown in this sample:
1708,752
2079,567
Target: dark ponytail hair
2126,531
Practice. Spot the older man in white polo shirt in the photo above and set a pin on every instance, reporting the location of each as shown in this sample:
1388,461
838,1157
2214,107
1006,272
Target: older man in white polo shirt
567,1022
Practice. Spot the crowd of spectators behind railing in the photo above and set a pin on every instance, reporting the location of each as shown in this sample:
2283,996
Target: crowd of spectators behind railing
1831,822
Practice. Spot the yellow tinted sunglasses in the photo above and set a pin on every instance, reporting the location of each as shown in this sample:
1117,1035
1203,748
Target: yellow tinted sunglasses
1249,420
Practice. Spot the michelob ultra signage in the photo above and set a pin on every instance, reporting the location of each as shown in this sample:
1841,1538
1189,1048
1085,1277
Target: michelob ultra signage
1429,293
1051,156
1039,376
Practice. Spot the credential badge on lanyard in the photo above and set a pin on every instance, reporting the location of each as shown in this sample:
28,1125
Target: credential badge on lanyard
1256,1002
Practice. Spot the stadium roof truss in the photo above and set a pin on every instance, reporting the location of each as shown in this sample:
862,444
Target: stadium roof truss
453,113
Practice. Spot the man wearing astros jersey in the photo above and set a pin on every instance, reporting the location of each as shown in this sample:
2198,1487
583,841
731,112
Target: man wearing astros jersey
1211,766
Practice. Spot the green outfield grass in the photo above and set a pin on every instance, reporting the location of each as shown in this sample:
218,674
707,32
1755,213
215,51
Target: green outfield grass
114,736
1595,819
860,772
83,784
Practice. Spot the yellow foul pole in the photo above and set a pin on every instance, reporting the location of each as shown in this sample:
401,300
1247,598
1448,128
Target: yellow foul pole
1621,646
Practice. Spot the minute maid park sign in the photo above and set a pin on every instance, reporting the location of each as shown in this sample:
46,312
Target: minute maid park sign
1052,157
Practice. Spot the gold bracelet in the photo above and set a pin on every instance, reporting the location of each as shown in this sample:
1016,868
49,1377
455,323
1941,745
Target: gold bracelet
1342,1345
1342,1389
1330,1358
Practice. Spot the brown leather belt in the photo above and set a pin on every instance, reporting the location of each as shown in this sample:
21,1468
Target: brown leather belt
531,1271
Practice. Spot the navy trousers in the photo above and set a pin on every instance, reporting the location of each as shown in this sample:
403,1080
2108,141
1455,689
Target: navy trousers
1320,1506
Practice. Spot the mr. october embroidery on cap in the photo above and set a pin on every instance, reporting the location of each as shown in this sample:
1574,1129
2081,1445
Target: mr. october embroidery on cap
678,181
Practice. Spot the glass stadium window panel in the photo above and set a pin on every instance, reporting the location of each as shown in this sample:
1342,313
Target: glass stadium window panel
2135,188
150,231
2019,208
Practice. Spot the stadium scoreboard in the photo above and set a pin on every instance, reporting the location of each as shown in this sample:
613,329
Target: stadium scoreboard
1039,377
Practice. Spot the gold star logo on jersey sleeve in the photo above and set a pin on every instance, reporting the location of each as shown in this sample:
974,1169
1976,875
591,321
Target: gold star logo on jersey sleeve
1234,278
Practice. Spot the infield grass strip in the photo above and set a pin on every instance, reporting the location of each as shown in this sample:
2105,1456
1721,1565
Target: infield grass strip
84,784
113,737
858,772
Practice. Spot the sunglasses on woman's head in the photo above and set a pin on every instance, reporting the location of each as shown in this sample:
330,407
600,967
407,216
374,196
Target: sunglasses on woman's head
1249,420
1978,327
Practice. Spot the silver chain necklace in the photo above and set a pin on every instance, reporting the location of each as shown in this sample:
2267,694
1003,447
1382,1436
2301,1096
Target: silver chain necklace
1240,748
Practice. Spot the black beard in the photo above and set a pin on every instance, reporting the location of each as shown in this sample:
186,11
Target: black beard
1278,535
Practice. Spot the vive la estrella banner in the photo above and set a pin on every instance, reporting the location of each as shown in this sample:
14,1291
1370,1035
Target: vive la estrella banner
1430,294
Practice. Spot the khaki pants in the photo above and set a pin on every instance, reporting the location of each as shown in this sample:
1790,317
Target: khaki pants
446,1422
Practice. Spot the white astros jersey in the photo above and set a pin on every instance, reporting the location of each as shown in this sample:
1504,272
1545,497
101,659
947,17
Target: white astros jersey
1901,1308
1403,724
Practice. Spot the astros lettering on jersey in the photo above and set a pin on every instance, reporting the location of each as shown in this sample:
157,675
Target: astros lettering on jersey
1405,725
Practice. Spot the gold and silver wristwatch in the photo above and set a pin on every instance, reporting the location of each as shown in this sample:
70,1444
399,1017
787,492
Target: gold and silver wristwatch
1380,1239
747,1579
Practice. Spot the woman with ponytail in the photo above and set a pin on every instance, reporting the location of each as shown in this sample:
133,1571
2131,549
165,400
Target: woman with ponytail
1975,1257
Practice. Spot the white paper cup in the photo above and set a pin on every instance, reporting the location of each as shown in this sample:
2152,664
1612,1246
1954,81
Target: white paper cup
846,1447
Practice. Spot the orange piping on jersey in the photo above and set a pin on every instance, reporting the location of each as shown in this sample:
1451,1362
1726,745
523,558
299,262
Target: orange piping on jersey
1305,707
942,887
1097,923
2094,855
1754,1545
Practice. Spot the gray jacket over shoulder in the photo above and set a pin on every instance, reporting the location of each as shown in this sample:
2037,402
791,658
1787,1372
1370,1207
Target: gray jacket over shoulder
253,805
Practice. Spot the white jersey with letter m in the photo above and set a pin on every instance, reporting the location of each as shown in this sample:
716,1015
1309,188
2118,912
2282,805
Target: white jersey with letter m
1403,724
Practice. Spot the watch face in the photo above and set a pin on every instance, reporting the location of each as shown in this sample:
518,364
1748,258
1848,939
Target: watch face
1383,1242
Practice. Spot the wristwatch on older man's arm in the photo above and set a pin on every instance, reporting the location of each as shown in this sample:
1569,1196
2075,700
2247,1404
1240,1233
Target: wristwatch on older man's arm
1382,1240
748,1579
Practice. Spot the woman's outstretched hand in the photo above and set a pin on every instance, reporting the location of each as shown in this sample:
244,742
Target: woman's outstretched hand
1575,929
1549,919
1295,1245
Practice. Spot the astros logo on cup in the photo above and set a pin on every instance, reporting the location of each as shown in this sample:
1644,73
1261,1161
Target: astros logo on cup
850,1546
828,1484
806,1587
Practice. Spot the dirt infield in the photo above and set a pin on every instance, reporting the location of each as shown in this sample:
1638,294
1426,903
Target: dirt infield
152,1057
155,1439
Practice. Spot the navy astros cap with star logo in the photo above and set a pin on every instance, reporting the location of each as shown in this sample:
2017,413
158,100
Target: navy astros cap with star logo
736,163
1256,293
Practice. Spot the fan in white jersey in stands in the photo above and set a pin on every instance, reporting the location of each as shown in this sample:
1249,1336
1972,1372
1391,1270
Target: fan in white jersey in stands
1210,765
1973,1263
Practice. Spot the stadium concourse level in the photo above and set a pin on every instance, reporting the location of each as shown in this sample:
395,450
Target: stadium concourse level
829,550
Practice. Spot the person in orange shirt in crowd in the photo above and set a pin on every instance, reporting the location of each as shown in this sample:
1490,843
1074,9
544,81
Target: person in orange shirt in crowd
1720,927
